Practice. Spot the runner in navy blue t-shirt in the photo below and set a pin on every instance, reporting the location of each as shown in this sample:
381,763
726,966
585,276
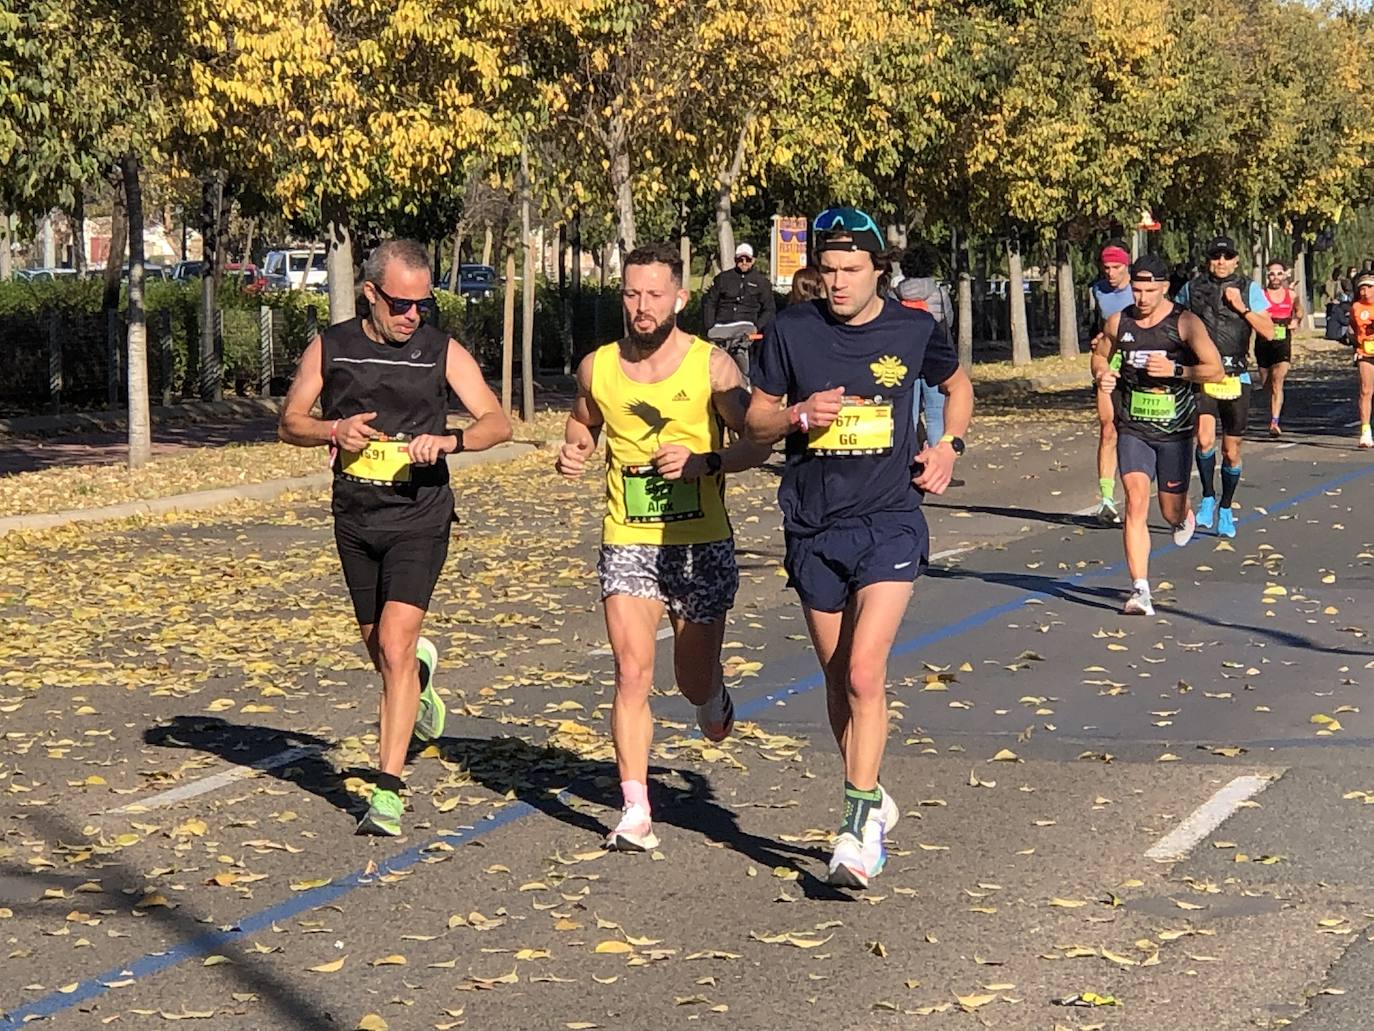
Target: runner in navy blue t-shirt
851,492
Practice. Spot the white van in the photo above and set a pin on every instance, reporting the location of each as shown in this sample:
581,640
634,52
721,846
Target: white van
283,268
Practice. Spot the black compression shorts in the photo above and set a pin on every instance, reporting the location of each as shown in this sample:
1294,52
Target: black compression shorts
1170,462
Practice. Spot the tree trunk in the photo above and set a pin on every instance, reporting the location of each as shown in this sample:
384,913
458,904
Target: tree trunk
565,311
338,263
1016,298
1300,283
6,248
247,249
508,331
618,151
455,273
211,365
119,240
965,302
527,294
725,189
78,224
223,205
486,246
140,428
1068,307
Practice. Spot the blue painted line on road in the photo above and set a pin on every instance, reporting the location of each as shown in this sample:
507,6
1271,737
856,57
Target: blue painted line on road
206,944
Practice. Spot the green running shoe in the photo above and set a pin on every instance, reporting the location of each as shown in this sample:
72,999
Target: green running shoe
429,719
383,816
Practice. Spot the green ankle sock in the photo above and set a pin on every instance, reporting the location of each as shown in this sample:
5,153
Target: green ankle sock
857,805
1107,485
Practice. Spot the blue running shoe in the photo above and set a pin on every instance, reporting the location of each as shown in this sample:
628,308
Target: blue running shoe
1206,512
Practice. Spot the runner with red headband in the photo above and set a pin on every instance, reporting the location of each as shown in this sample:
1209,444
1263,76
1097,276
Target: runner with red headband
1110,294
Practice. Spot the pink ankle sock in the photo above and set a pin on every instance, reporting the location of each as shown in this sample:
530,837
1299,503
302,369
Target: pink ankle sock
636,792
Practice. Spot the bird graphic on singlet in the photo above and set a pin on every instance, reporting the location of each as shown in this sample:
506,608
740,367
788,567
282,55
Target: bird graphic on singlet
651,416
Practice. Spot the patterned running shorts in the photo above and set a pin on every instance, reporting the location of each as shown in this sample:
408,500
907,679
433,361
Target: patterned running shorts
696,581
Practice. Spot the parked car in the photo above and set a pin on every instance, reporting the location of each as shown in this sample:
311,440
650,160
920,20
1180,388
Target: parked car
253,278
184,271
44,275
150,271
473,280
284,268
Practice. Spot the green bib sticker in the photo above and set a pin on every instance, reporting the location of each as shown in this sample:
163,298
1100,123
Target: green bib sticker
1280,333
649,498
1152,407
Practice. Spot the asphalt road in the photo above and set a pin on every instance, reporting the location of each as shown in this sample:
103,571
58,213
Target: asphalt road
186,716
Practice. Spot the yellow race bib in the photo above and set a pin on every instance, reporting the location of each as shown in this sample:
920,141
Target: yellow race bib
863,427
1227,390
382,461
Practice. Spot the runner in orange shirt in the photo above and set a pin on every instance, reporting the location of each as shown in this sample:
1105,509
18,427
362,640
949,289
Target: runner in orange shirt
1361,333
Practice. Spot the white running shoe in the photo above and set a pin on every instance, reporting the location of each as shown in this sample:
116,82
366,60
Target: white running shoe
634,832
1139,604
1367,439
855,862
1183,533
887,812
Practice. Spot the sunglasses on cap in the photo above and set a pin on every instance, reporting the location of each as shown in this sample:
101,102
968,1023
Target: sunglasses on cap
849,219
426,306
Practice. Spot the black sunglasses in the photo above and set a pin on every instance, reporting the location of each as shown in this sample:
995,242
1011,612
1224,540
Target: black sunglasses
1224,255
400,305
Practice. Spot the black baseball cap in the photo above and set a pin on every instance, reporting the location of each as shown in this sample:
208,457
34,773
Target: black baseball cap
1221,245
1149,268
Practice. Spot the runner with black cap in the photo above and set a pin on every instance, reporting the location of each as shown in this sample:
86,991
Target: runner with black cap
382,382
851,491
1233,308
1165,352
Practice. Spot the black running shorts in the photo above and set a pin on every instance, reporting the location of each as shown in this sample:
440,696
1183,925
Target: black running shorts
389,565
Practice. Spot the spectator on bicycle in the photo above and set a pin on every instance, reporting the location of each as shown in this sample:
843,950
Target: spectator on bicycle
738,305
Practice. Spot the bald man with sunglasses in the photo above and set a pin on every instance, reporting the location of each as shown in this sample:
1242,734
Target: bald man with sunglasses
382,382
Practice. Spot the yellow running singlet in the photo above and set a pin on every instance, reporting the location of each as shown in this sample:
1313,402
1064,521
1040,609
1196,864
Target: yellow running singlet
641,506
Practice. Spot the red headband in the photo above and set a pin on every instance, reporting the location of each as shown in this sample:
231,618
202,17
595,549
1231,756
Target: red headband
1115,256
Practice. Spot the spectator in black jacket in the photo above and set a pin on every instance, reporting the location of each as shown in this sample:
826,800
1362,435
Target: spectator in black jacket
739,303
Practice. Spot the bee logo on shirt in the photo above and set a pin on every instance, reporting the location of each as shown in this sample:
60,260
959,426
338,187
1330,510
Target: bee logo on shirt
888,371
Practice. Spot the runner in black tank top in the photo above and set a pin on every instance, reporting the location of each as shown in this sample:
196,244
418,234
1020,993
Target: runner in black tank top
1164,353
382,382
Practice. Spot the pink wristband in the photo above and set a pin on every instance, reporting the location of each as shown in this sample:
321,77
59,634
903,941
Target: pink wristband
333,433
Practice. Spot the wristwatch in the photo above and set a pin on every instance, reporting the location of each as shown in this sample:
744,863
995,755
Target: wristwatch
957,443
713,462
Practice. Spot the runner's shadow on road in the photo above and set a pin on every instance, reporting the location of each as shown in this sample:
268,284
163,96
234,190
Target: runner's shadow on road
1103,597
248,745
560,784
1011,512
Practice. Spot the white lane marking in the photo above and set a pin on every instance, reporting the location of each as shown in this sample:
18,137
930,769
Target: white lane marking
940,556
1206,818
663,632
218,780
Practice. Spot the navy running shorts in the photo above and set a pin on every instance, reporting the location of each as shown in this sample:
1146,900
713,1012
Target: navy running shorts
829,568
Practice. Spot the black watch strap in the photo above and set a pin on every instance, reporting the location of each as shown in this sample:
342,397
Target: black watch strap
458,436
714,462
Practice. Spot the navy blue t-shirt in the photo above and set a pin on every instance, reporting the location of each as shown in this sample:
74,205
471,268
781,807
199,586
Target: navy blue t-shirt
878,363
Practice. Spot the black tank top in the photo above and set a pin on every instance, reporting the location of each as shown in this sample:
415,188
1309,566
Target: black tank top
407,386
1227,327
1146,406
